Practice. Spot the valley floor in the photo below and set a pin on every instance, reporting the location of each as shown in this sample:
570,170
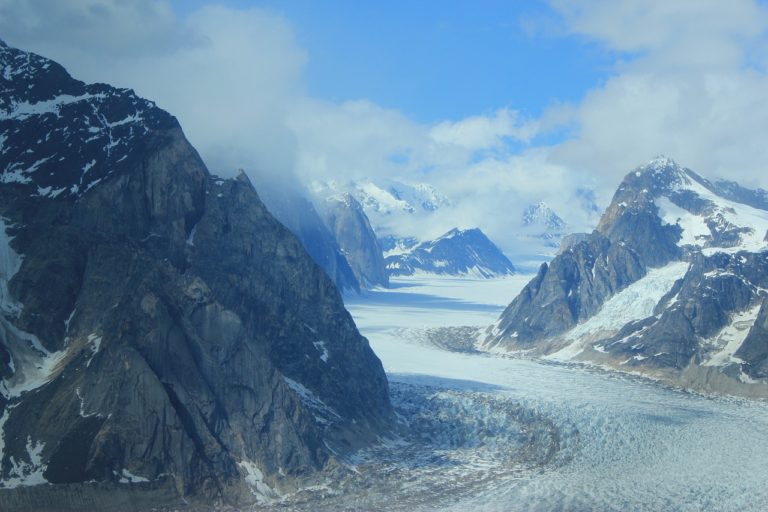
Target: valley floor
495,434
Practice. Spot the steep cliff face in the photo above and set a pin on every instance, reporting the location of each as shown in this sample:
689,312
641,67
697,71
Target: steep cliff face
299,215
160,330
573,286
345,218
670,283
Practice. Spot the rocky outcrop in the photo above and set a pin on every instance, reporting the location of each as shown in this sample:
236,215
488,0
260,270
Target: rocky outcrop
458,252
161,333
572,287
669,284
754,350
347,221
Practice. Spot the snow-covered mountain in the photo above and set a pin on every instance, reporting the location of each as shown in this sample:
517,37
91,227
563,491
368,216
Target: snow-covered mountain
541,216
392,206
673,283
541,226
393,245
458,252
387,197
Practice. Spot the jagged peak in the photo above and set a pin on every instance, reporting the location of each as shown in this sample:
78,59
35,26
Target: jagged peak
2,44
542,214
459,232
662,166
662,161
346,199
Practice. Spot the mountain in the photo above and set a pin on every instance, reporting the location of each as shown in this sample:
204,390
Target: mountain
347,221
387,197
394,208
672,283
541,226
163,339
541,216
297,213
458,252
393,245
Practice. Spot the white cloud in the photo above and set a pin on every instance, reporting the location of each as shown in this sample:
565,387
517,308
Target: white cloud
689,81
228,75
483,132
78,31
694,88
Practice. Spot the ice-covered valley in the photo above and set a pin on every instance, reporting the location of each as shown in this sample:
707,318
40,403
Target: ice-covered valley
499,434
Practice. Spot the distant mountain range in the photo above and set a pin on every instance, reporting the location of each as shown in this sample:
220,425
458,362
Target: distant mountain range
459,253
673,283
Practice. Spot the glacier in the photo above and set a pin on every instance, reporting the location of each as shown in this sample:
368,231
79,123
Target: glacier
511,434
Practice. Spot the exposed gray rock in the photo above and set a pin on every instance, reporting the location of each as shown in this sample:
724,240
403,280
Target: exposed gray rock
163,333
572,287
732,190
660,214
347,221
570,240
754,350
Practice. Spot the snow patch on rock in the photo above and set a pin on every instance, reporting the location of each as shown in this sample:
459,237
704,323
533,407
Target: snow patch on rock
26,474
264,494
324,414
729,339
635,302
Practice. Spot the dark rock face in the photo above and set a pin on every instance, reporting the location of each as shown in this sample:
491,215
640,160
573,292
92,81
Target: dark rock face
458,252
660,216
299,215
754,350
345,218
572,287
704,301
757,198
159,328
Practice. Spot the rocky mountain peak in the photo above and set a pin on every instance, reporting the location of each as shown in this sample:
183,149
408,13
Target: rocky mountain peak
457,252
542,215
157,324
672,282
41,102
345,218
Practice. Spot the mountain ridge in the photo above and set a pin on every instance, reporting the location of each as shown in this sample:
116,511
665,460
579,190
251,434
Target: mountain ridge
457,252
162,336
669,284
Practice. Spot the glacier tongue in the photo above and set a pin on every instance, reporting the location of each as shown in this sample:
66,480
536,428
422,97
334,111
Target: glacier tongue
626,444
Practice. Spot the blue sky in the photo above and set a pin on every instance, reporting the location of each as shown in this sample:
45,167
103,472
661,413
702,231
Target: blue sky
440,60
